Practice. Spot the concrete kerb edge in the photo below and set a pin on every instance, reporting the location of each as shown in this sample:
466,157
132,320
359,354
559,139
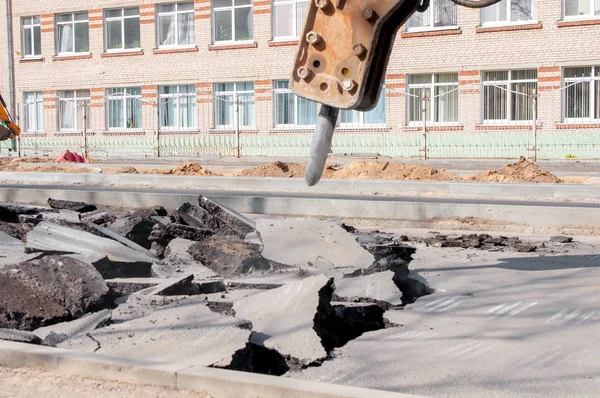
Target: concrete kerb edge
530,190
217,382
537,216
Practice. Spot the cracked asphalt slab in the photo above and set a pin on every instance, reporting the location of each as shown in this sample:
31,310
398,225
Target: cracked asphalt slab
499,324
430,313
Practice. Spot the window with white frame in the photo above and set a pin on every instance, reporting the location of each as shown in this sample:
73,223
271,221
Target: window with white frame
290,110
509,12
72,33
581,101
225,96
33,112
440,93
178,107
288,18
581,9
232,20
507,95
32,37
373,118
175,24
122,29
124,108
439,15
73,108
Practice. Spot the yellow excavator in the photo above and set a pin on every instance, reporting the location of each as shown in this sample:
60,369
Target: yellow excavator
8,127
342,60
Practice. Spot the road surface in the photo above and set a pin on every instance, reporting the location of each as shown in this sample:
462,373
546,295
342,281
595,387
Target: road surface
500,324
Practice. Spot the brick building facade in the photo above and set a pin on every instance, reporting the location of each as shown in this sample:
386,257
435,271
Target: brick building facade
477,70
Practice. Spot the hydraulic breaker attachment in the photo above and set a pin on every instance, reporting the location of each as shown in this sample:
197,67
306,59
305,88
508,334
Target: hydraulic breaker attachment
344,51
342,60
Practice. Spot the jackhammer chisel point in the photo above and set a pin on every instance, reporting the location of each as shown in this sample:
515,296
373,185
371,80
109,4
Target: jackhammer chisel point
321,144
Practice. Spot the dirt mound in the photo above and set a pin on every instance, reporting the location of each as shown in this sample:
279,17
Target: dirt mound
521,171
276,169
128,170
187,169
46,169
122,170
389,171
33,160
190,169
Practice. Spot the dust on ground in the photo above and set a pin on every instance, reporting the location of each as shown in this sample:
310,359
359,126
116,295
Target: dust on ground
45,159
275,169
521,171
389,171
186,169
29,382
46,169
579,180
357,170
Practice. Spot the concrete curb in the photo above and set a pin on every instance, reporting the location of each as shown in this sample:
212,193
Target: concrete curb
526,190
533,214
217,382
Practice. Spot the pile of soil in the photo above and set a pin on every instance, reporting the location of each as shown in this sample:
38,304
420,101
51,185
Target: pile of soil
521,171
190,169
46,169
4,162
33,160
389,171
276,169
187,169
122,170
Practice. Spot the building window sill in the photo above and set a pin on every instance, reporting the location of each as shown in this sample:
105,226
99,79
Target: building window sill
504,127
431,33
125,53
32,59
283,43
577,22
578,126
231,46
508,28
71,57
175,50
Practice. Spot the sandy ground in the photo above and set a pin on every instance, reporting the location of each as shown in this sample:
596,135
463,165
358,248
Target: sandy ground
520,171
26,382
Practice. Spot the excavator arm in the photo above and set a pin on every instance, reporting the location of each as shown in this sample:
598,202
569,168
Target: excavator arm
342,59
8,128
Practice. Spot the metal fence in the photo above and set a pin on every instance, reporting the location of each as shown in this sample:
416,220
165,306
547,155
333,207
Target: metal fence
432,117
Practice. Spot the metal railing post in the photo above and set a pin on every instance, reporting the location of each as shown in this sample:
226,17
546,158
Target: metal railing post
18,140
237,125
85,144
424,118
157,129
534,127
